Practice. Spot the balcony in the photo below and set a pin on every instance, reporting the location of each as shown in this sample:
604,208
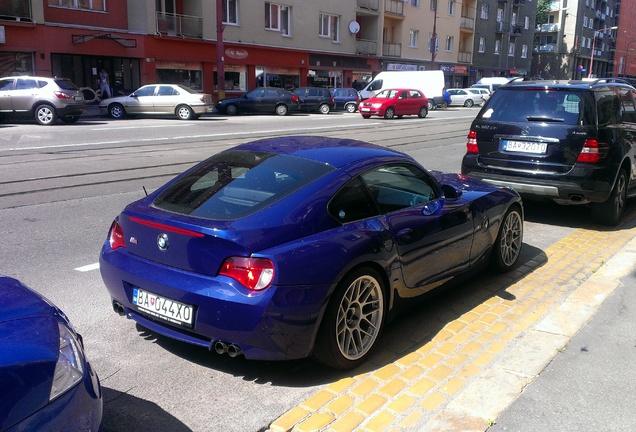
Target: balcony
15,11
366,47
518,2
391,49
516,30
395,7
467,23
370,5
179,25
548,28
502,27
465,57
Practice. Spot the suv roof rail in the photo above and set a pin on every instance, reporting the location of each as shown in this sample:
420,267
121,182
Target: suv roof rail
606,80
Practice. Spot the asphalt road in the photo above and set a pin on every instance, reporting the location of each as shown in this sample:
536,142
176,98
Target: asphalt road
60,189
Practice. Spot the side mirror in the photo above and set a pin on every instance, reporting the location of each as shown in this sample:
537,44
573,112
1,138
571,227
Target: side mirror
451,192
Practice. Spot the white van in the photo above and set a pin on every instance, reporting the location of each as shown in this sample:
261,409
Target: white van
431,83
491,83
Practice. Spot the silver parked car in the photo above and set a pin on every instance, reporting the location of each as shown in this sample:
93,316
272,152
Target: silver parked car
159,99
42,98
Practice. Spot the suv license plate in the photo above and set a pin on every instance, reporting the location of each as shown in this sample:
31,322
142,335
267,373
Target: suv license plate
162,307
525,147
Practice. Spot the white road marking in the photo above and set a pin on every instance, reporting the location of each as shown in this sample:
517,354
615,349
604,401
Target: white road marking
88,268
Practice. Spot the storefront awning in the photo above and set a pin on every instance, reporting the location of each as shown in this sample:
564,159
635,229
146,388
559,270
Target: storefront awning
82,38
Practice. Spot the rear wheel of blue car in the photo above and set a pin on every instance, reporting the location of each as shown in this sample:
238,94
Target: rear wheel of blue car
509,240
610,211
282,110
353,320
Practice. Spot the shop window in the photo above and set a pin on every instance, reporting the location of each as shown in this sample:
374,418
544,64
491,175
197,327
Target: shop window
230,12
95,5
189,78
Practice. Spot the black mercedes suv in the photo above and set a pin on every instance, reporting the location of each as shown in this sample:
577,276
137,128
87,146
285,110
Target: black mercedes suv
568,141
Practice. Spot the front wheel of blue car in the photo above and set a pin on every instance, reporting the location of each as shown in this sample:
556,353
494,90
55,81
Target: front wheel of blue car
353,320
507,246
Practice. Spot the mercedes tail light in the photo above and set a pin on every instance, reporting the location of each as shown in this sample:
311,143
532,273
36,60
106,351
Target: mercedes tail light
253,273
116,236
593,151
471,145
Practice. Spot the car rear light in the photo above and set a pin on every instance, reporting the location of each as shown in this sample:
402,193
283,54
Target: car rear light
254,273
295,98
116,236
203,99
592,151
61,95
471,145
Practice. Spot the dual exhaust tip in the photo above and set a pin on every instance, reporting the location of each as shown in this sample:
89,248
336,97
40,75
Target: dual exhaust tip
232,350
220,347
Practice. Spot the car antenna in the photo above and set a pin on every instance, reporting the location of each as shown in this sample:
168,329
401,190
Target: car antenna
145,191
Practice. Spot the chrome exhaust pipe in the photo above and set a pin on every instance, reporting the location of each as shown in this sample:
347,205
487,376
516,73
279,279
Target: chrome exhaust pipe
233,350
119,309
220,347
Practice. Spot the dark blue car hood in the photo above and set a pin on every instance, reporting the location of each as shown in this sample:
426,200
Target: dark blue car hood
29,346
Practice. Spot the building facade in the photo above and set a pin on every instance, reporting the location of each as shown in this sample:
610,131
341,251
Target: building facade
625,55
578,39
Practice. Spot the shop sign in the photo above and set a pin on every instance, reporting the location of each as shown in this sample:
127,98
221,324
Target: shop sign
236,53
461,70
161,64
448,69
401,67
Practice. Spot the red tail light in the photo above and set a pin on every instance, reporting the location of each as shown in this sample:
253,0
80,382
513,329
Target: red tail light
592,151
116,236
61,95
471,145
295,98
254,273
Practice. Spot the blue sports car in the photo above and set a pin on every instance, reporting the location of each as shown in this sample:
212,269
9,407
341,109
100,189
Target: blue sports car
289,247
46,382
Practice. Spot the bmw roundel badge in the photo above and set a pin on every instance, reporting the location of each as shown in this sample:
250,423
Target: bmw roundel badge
162,241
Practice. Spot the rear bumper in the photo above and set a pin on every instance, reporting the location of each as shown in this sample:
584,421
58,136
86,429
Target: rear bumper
584,183
279,323
71,110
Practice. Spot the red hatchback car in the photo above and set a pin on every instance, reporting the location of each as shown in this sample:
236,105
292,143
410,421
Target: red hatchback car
393,103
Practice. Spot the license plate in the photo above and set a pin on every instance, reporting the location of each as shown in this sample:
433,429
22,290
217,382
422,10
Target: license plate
365,109
78,98
525,147
162,307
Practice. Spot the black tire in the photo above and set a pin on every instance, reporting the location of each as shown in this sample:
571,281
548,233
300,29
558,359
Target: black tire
366,116
444,104
282,110
431,105
507,247
353,320
45,115
184,112
324,109
231,110
350,108
389,113
423,112
468,103
70,119
116,111
610,211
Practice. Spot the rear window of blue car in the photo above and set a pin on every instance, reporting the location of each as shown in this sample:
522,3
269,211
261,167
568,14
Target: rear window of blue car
234,184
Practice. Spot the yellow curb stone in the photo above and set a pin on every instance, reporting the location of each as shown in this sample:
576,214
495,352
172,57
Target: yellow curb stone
318,400
441,336
287,421
411,420
452,386
421,386
430,360
340,405
455,326
380,423
461,338
315,422
455,360
341,385
371,404
348,422
412,373
402,403
483,359
364,388
496,347
469,371
392,388
488,318
432,402
387,372
471,348
409,359
485,337
447,349
440,373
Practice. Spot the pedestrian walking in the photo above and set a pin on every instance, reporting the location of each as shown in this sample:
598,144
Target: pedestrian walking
104,84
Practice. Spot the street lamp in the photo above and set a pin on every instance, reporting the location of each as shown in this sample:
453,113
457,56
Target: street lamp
596,32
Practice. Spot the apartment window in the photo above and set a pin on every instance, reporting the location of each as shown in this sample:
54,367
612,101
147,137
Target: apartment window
482,45
511,50
524,51
497,47
278,18
500,15
415,3
584,21
230,11
329,26
484,11
526,23
413,38
449,43
433,5
95,5
582,41
451,7
513,19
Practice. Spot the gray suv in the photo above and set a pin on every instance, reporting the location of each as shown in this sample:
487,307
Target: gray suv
45,99
568,141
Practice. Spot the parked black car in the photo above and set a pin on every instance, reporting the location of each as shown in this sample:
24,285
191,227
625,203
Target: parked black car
261,100
346,99
568,141
315,99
